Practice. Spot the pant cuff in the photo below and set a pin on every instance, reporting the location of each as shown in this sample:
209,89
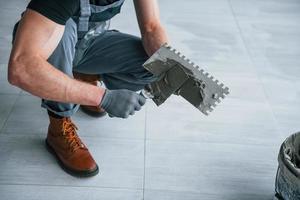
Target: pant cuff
67,113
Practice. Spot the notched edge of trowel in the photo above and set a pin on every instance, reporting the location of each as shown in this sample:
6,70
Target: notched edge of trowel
211,95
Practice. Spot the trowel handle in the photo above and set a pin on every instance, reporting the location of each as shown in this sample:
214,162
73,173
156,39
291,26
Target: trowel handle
146,94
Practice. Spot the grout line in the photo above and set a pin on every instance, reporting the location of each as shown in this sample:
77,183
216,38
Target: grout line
253,65
11,135
206,142
69,186
8,93
145,143
81,136
13,105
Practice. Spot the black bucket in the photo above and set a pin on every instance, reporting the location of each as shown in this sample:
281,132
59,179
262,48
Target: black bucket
287,186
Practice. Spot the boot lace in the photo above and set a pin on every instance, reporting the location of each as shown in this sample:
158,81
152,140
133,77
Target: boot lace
70,135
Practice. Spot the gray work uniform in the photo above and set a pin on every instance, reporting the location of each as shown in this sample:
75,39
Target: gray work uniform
117,57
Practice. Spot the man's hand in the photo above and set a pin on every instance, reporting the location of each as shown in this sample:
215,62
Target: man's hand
122,103
153,34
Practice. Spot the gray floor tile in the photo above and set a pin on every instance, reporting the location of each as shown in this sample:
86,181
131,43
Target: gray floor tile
32,119
211,168
215,46
271,11
212,41
270,30
175,195
287,118
6,87
6,105
9,18
213,7
25,192
29,116
24,160
283,93
133,127
236,121
4,56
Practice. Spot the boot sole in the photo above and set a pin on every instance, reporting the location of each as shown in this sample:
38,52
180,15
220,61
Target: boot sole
80,174
92,113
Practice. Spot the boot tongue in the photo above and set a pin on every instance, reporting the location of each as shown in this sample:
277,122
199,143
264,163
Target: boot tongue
69,132
67,129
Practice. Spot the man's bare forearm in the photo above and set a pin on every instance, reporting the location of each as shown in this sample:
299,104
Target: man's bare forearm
153,33
40,78
147,12
36,39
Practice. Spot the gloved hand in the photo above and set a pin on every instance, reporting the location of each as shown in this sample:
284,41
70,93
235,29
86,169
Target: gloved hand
121,103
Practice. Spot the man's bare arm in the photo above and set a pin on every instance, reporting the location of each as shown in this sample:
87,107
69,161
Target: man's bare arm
36,39
153,33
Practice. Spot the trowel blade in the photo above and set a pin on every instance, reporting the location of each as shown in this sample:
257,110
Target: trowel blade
211,89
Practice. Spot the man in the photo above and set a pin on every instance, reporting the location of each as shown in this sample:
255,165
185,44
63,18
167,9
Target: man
57,38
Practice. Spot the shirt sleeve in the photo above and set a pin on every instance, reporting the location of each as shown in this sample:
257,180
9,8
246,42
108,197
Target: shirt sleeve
58,11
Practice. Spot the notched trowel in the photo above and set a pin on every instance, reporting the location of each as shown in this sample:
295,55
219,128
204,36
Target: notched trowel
178,75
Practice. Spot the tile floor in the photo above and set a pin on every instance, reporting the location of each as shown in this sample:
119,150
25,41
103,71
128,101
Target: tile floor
172,152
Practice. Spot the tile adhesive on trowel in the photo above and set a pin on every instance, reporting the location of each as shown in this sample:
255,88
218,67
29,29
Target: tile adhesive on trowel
178,75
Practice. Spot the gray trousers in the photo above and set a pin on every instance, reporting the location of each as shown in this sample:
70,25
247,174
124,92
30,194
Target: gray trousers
115,56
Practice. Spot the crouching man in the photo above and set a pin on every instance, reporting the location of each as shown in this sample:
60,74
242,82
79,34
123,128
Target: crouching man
60,39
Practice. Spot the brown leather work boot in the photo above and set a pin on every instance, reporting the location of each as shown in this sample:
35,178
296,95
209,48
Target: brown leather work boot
72,155
92,79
